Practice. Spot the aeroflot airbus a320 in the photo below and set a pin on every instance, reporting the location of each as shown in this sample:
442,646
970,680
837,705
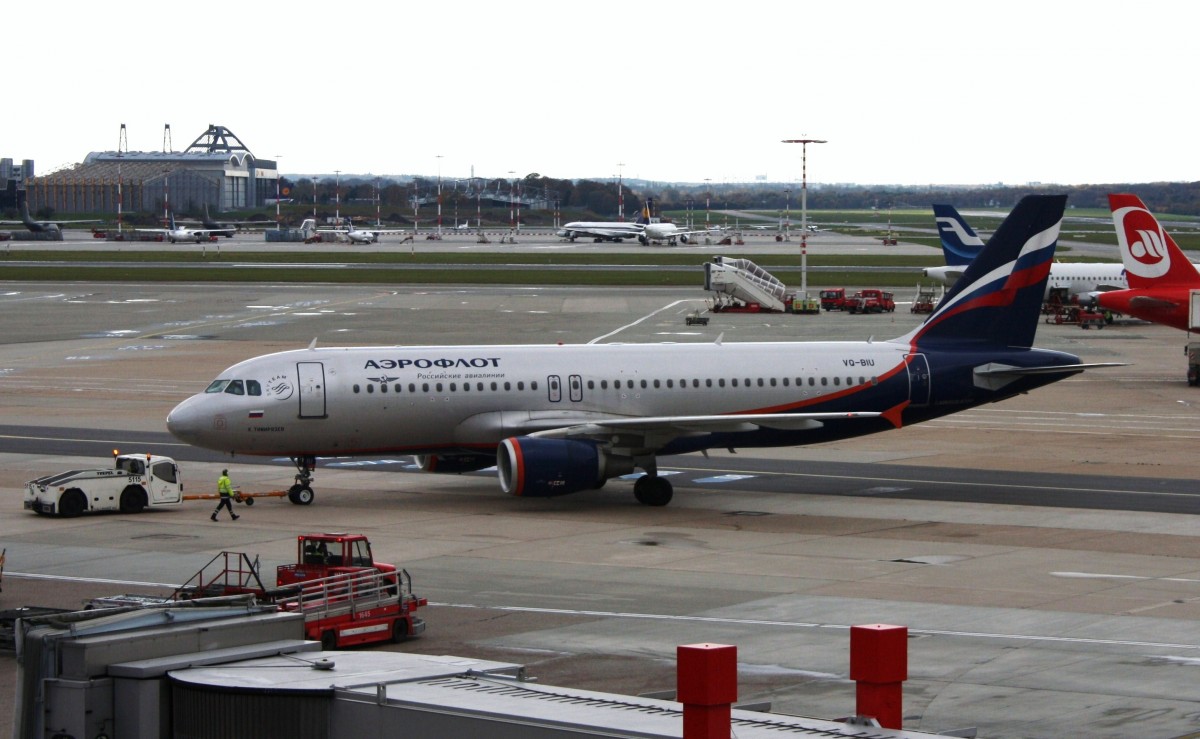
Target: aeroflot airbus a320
561,419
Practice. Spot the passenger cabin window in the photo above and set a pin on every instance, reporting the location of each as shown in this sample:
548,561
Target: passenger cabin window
216,386
235,388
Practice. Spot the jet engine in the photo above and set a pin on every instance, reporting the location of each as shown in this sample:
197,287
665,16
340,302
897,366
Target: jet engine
542,468
453,463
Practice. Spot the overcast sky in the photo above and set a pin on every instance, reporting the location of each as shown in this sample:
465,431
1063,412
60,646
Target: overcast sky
914,92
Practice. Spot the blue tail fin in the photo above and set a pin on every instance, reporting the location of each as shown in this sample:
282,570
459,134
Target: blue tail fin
959,242
998,300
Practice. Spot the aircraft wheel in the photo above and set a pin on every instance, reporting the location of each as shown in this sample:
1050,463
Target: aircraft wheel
653,490
133,499
72,503
301,495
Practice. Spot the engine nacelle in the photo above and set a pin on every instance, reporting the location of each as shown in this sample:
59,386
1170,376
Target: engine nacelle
453,464
542,468
683,239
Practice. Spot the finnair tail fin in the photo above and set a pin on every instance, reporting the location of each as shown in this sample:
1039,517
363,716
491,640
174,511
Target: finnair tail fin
959,242
1151,256
998,300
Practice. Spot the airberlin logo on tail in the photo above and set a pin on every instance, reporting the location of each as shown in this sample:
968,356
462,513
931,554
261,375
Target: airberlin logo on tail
1140,236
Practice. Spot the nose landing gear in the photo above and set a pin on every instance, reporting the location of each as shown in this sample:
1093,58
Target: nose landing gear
301,493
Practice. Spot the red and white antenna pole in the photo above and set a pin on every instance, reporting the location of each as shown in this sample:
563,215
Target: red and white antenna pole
620,191
804,208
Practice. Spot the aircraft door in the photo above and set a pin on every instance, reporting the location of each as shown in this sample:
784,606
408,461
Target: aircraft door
575,386
554,387
918,379
312,389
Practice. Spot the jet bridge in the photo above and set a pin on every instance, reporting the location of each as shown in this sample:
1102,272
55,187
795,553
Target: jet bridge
743,280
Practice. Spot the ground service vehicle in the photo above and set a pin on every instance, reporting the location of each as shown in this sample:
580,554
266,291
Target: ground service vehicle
346,597
871,300
1193,359
833,299
133,483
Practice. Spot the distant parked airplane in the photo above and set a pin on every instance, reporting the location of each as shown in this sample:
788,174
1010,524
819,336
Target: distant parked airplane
53,227
1161,278
176,232
1080,281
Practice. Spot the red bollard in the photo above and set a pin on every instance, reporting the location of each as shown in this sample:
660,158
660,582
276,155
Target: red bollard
706,685
879,664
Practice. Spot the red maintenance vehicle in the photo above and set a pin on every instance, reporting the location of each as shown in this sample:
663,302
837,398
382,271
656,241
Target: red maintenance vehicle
833,298
871,300
346,597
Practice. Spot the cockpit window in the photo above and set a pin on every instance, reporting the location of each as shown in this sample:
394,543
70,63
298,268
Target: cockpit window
253,388
235,388
217,386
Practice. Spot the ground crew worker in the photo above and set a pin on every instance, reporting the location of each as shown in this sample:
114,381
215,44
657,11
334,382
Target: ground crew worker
225,490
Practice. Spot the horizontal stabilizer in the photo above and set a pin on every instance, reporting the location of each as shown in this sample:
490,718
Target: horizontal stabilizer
993,376
1149,302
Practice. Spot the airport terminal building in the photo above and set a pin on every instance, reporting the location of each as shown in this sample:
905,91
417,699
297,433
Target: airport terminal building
216,170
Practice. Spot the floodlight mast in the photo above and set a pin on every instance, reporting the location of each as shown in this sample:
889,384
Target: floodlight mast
804,208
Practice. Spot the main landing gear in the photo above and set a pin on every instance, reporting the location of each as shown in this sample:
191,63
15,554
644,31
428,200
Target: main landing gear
653,490
302,493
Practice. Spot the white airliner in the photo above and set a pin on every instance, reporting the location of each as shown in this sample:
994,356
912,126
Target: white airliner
559,419
1081,281
646,229
183,233
598,231
361,235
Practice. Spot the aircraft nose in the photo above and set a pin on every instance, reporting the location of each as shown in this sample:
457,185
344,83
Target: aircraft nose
186,422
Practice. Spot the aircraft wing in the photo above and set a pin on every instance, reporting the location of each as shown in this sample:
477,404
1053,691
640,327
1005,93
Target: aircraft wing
652,432
678,425
657,432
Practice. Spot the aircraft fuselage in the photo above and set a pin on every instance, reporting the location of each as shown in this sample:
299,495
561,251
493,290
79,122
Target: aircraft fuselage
372,400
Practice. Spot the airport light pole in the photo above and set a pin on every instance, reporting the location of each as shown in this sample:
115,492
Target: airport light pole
512,203
122,147
804,208
620,191
439,230
787,214
707,198
337,197
278,221
314,198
